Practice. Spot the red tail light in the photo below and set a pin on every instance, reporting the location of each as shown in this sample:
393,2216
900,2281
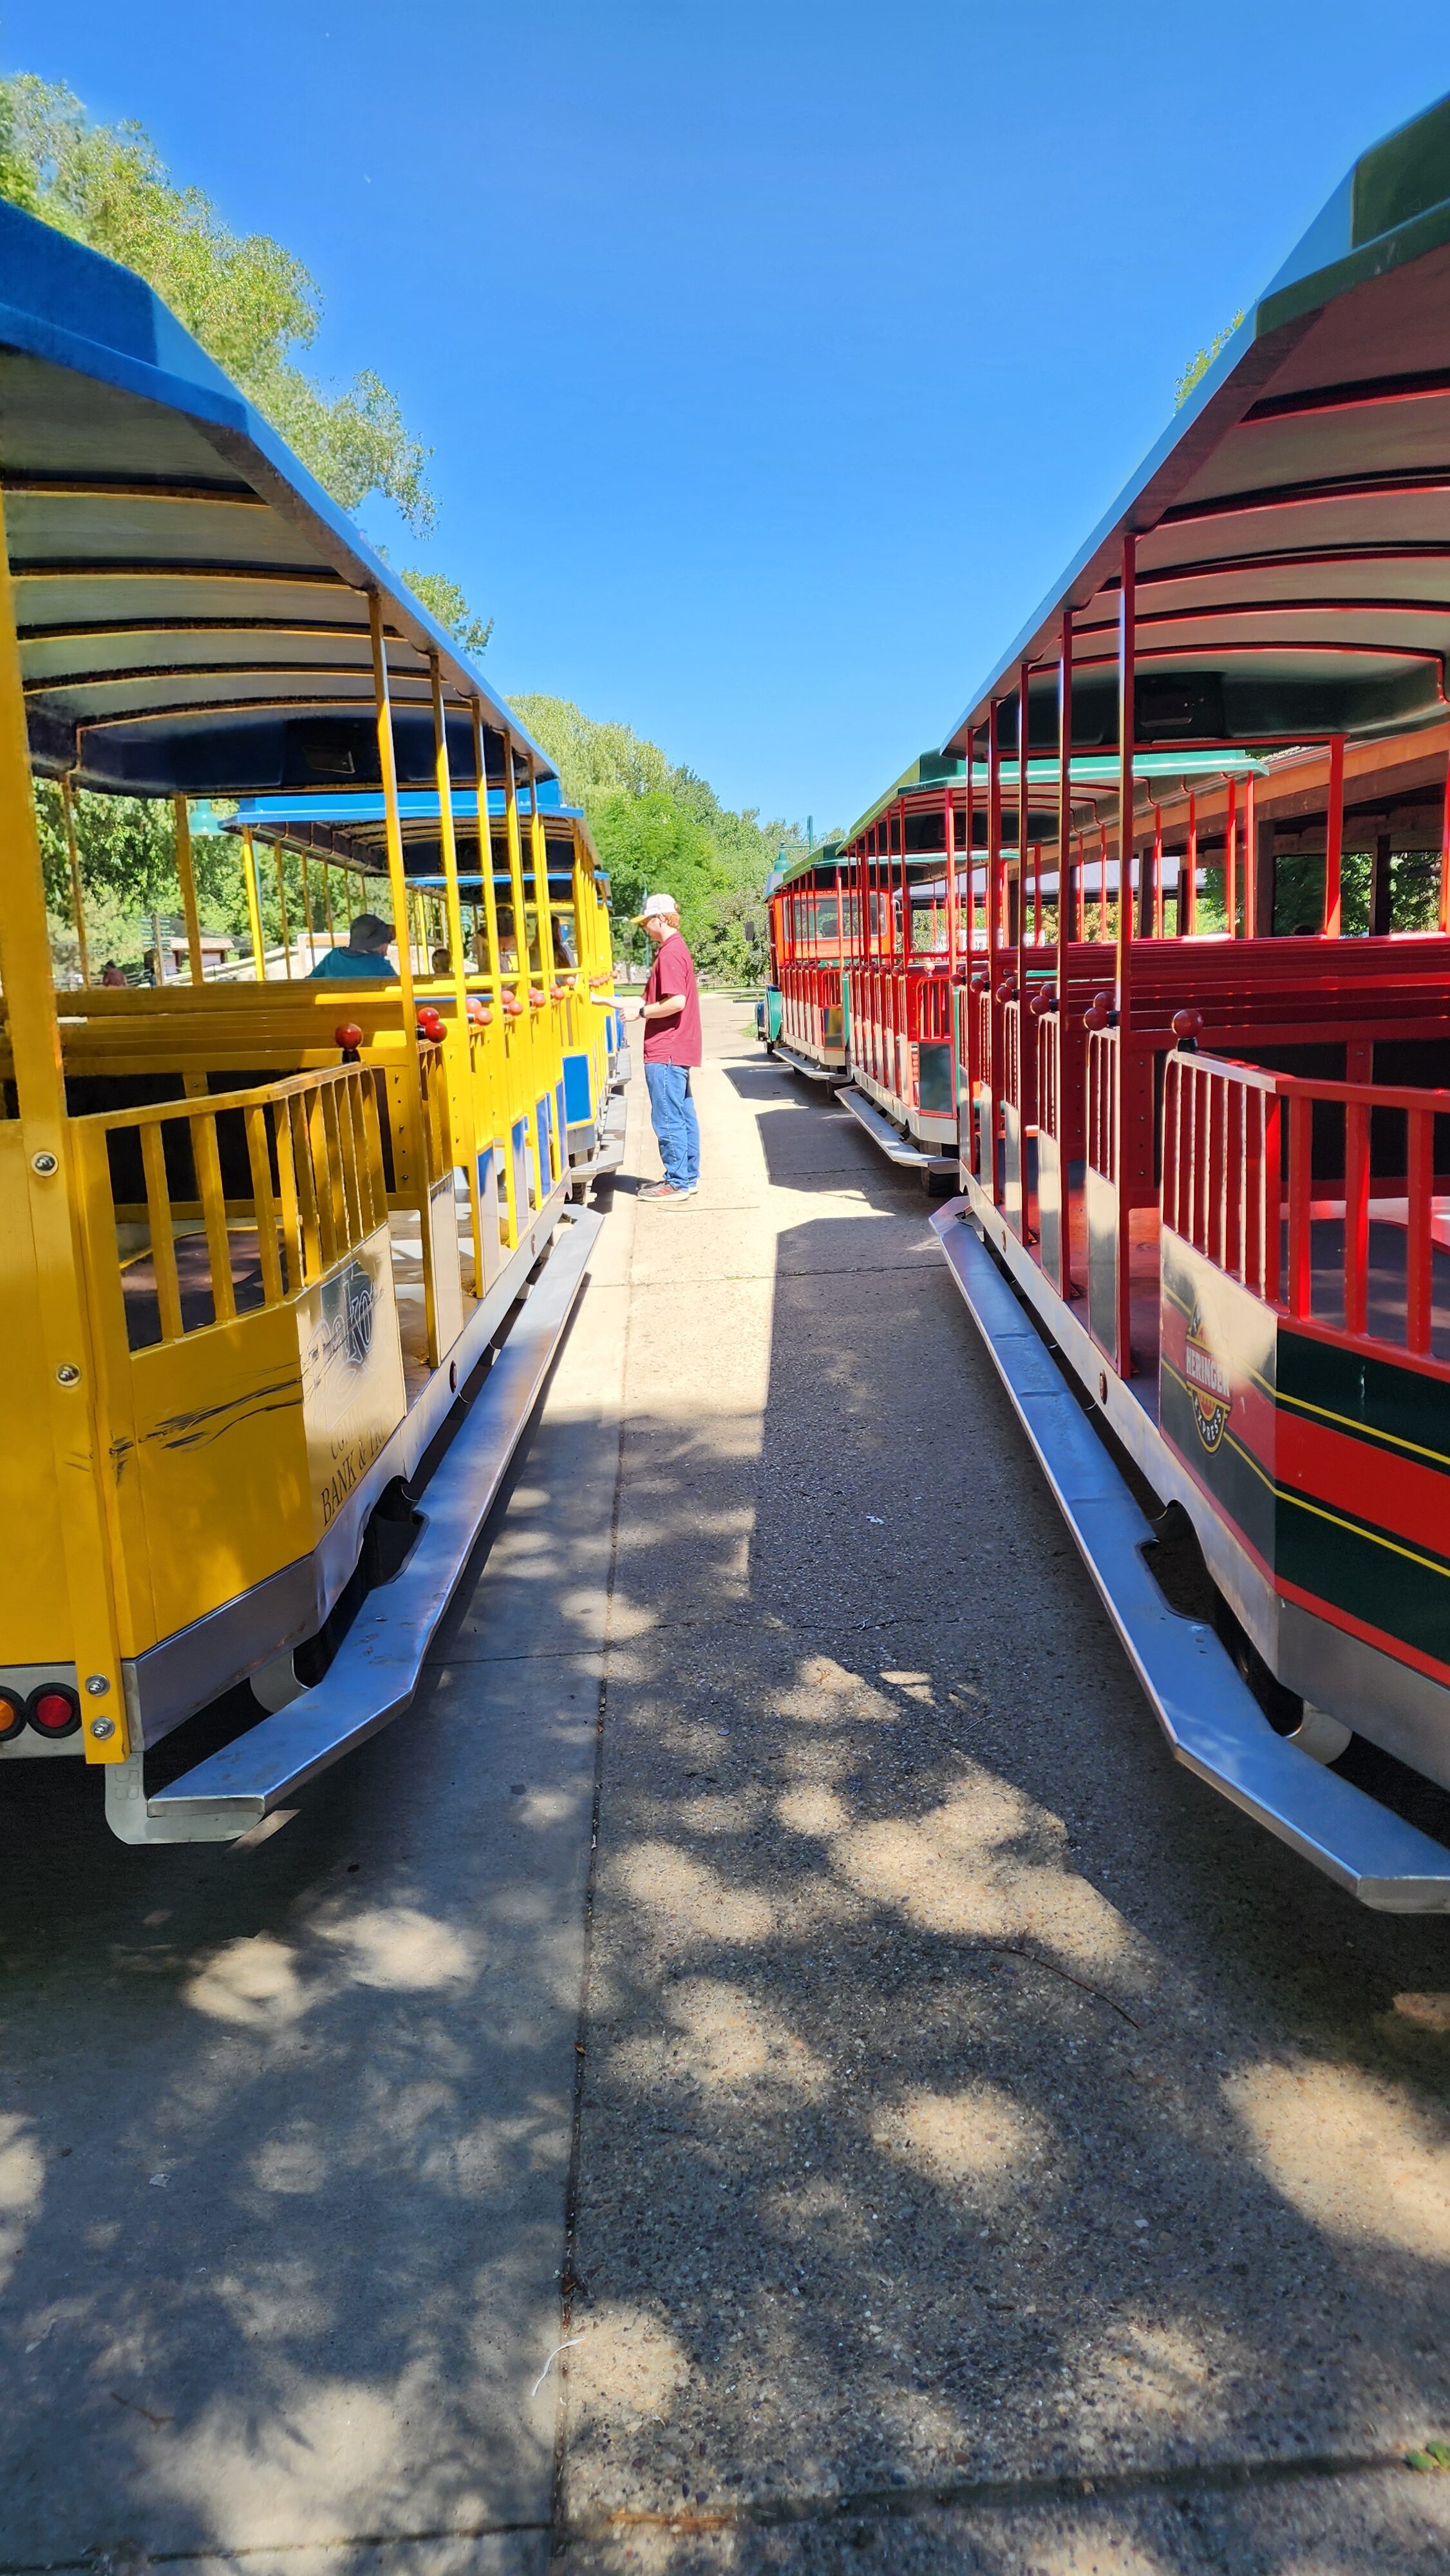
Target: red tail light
12,1715
53,1709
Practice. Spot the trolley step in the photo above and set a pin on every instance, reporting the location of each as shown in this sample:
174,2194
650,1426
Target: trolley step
608,1153
376,1670
832,1073
1208,1713
896,1147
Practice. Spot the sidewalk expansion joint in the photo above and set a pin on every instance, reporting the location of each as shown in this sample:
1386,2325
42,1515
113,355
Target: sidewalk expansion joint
954,2495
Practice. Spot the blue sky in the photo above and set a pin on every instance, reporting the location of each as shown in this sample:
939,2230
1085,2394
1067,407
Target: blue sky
775,355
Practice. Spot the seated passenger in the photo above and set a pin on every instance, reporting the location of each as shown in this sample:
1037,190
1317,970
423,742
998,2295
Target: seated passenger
366,953
442,962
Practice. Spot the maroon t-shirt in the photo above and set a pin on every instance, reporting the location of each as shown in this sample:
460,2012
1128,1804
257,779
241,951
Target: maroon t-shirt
677,1039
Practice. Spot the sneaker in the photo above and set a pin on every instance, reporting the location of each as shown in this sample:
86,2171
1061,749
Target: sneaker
662,1190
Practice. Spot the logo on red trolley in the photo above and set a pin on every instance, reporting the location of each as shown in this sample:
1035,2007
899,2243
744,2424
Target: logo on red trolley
1209,1389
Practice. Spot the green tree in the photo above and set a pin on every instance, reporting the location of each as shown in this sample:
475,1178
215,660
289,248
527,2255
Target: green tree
627,787
444,600
1202,359
250,303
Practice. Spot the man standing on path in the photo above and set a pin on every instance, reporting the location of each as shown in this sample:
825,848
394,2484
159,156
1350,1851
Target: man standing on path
671,1015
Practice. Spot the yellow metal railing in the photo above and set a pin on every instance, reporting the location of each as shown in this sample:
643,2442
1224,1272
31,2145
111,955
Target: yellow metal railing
313,1153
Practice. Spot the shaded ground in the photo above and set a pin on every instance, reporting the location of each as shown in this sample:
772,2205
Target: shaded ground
974,2104
990,2153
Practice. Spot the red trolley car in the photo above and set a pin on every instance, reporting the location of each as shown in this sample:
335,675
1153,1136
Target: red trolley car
1211,1163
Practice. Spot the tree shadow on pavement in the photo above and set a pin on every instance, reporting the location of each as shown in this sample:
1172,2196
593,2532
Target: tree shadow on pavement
972,2096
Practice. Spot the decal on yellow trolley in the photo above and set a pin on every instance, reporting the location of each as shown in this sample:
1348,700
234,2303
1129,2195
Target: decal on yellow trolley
353,1396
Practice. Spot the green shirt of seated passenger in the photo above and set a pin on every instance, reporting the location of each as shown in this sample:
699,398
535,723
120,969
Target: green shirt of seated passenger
366,953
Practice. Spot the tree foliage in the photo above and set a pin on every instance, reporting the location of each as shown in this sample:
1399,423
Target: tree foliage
1202,359
250,302
444,600
661,828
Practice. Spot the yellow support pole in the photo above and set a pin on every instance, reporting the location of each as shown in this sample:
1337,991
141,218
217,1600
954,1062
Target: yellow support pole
73,861
282,905
188,887
453,910
549,1016
46,1226
503,1143
327,905
514,844
307,912
254,909
398,889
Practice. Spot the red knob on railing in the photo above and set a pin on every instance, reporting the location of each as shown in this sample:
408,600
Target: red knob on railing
1007,989
1042,1002
536,997
1187,1027
1100,1013
479,1012
430,1024
979,983
513,1006
349,1037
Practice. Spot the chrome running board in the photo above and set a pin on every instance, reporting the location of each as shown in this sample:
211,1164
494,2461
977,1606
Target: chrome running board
1213,1723
836,1073
608,1151
896,1147
377,1668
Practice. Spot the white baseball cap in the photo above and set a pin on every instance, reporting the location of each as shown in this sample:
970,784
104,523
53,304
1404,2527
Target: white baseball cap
657,907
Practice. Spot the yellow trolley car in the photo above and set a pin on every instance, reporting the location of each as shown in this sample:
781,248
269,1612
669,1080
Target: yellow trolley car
266,1243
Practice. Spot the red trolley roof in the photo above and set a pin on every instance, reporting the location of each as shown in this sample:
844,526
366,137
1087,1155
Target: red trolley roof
1293,524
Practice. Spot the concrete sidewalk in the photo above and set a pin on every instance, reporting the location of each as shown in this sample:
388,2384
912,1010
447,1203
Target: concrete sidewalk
978,2114
934,2128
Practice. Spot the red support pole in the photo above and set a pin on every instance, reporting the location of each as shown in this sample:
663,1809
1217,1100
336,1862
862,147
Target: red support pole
994,937
1445,855
1334,841
1079,893
1068,1072
1064,807
969,999
971,825
1188,911
1231,861
1102,881
1157,871
1022,826
951,849
863,897
1037,894
1251,863
1127,665
1126,1085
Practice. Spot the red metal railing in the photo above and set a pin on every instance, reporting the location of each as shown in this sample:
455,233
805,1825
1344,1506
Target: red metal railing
1102,1102
1252,1161
893,1007
1222,1157
808,990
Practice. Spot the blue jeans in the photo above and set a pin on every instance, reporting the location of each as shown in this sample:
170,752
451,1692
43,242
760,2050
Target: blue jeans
677,1129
